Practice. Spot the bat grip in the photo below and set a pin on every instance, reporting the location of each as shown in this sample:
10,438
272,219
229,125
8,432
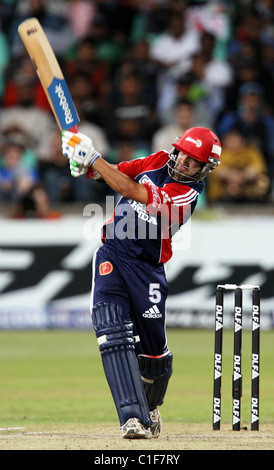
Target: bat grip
74,129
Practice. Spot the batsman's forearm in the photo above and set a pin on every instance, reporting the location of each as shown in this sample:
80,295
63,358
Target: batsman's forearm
120,182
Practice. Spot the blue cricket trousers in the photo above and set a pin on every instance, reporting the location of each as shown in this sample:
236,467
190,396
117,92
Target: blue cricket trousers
141,288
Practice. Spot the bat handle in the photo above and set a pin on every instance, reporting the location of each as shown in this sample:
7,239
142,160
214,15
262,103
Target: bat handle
74,129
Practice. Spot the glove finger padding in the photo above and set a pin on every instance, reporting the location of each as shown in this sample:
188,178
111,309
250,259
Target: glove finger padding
76,169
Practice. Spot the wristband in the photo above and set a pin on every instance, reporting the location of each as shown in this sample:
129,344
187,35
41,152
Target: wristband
94,157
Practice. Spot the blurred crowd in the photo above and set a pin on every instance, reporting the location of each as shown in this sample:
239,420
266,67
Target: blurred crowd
140,74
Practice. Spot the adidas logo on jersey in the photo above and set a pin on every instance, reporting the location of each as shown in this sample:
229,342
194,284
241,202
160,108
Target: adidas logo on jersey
152,312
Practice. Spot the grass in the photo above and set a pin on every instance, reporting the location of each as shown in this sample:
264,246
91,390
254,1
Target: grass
55,376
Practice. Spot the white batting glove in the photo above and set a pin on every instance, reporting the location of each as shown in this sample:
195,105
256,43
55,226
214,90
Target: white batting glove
79,148
76,169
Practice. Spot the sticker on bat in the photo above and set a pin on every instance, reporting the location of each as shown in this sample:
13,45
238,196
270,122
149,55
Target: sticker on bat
62,103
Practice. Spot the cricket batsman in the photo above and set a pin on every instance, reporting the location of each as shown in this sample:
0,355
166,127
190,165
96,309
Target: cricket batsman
129,289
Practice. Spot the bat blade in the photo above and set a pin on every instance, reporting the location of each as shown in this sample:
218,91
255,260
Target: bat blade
49,73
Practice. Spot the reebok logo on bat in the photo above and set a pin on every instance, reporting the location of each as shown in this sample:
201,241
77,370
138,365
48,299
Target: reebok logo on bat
63,103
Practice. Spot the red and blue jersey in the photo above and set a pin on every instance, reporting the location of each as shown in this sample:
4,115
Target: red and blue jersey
145,231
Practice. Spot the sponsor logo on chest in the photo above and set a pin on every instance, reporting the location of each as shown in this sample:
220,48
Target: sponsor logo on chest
141,208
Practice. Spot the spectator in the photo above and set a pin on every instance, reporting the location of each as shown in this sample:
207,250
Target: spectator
186,89
251,119
19,71
90,113
111,44
203,89
131,115
213,17
242,175
172,50
25,115
117,17
174,47
124,151
35,205
218,73
184,118
18,171
55,174
253,31
248,69
81,14
85,63
150,19
205,84
53,18
138,61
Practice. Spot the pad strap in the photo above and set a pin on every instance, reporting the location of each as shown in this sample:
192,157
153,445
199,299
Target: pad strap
155,374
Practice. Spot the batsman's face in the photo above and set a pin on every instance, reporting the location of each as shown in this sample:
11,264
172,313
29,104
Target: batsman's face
186,165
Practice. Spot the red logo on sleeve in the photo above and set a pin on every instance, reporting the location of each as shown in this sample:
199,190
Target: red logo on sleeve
105,268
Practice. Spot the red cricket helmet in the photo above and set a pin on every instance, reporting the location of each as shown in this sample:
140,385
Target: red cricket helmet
202,145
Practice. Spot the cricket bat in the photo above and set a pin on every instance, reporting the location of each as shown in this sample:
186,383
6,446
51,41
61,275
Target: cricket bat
49,73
